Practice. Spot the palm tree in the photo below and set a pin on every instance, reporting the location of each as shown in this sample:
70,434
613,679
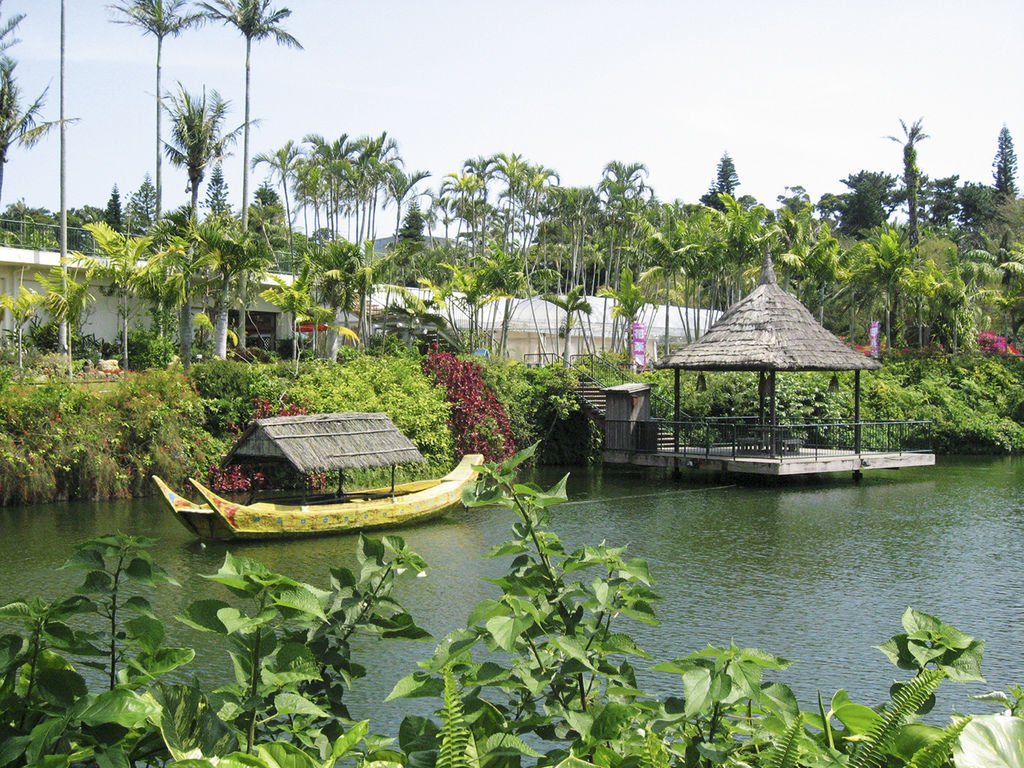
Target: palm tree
284,164
911,173
66,297
884,259
18,126
332,268
122,267
178,265
256,20
22,308
573,302
629,301
296,298
161,19
230,254
197,136
7,28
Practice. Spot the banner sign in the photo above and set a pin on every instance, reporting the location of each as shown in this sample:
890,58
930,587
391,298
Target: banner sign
639,344
873,332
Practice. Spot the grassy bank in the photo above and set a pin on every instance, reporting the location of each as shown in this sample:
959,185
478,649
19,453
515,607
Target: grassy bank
61,441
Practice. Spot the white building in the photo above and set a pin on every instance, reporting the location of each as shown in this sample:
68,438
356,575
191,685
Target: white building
534,326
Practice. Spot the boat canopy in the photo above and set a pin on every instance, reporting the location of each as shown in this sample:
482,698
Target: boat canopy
325,441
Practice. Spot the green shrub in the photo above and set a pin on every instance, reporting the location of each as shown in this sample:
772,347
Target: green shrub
147,349
229,389
395,386
542,407
59,441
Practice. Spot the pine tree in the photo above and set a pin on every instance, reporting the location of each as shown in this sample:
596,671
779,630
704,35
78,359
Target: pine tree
142,208
266,195
217,193
113,215
1004,167
725,182
412,227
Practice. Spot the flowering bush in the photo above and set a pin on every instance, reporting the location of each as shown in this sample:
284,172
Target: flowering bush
234,479
478,421
263,408
992,343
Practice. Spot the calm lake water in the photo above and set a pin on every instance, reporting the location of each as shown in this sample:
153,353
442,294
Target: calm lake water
817,572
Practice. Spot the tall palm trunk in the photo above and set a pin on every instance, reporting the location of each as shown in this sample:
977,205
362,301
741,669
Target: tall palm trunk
185,332
245,138
220,328
63,334
159,110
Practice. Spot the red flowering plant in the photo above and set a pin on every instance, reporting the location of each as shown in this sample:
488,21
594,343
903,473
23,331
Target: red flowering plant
992,343
478,421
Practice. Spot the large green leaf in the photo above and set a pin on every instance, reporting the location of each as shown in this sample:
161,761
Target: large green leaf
417,685
10,650
187,723
15,610
856,718
614,718
149,666
991,741
121,706
303,601
202,615
236,622
59,686
294,704
346,743
282,754
697,688
147,631
506,629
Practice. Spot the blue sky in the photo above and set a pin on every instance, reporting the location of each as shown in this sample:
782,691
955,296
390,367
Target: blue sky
797,92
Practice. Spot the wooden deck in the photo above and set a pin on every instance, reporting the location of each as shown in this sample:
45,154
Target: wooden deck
785,450
803,462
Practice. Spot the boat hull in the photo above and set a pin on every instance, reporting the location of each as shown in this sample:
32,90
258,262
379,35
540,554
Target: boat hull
223,520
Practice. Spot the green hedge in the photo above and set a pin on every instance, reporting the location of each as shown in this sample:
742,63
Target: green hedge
59,441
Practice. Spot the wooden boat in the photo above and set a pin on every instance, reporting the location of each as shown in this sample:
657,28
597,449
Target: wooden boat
406,503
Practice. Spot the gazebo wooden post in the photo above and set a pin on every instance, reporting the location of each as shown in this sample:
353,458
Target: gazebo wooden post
762,386
675,413
773,415
856,411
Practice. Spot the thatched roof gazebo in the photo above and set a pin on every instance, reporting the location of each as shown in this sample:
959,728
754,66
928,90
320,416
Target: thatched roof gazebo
768,331
325,441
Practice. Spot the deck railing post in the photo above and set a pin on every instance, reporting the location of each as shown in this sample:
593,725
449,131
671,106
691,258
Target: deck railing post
675,412
856,411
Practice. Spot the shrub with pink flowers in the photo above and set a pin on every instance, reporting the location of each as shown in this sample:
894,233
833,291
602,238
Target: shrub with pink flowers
992,343
478,421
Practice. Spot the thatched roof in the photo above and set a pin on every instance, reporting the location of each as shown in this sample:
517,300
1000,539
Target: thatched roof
768,330
325,441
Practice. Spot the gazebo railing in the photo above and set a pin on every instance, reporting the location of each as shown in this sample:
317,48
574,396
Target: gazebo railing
747,438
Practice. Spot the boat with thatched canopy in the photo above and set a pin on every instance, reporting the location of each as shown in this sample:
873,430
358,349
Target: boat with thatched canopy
318,443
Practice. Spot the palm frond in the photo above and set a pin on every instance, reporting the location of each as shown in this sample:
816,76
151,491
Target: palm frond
936,754
654,754
785,752
458,749
872,750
